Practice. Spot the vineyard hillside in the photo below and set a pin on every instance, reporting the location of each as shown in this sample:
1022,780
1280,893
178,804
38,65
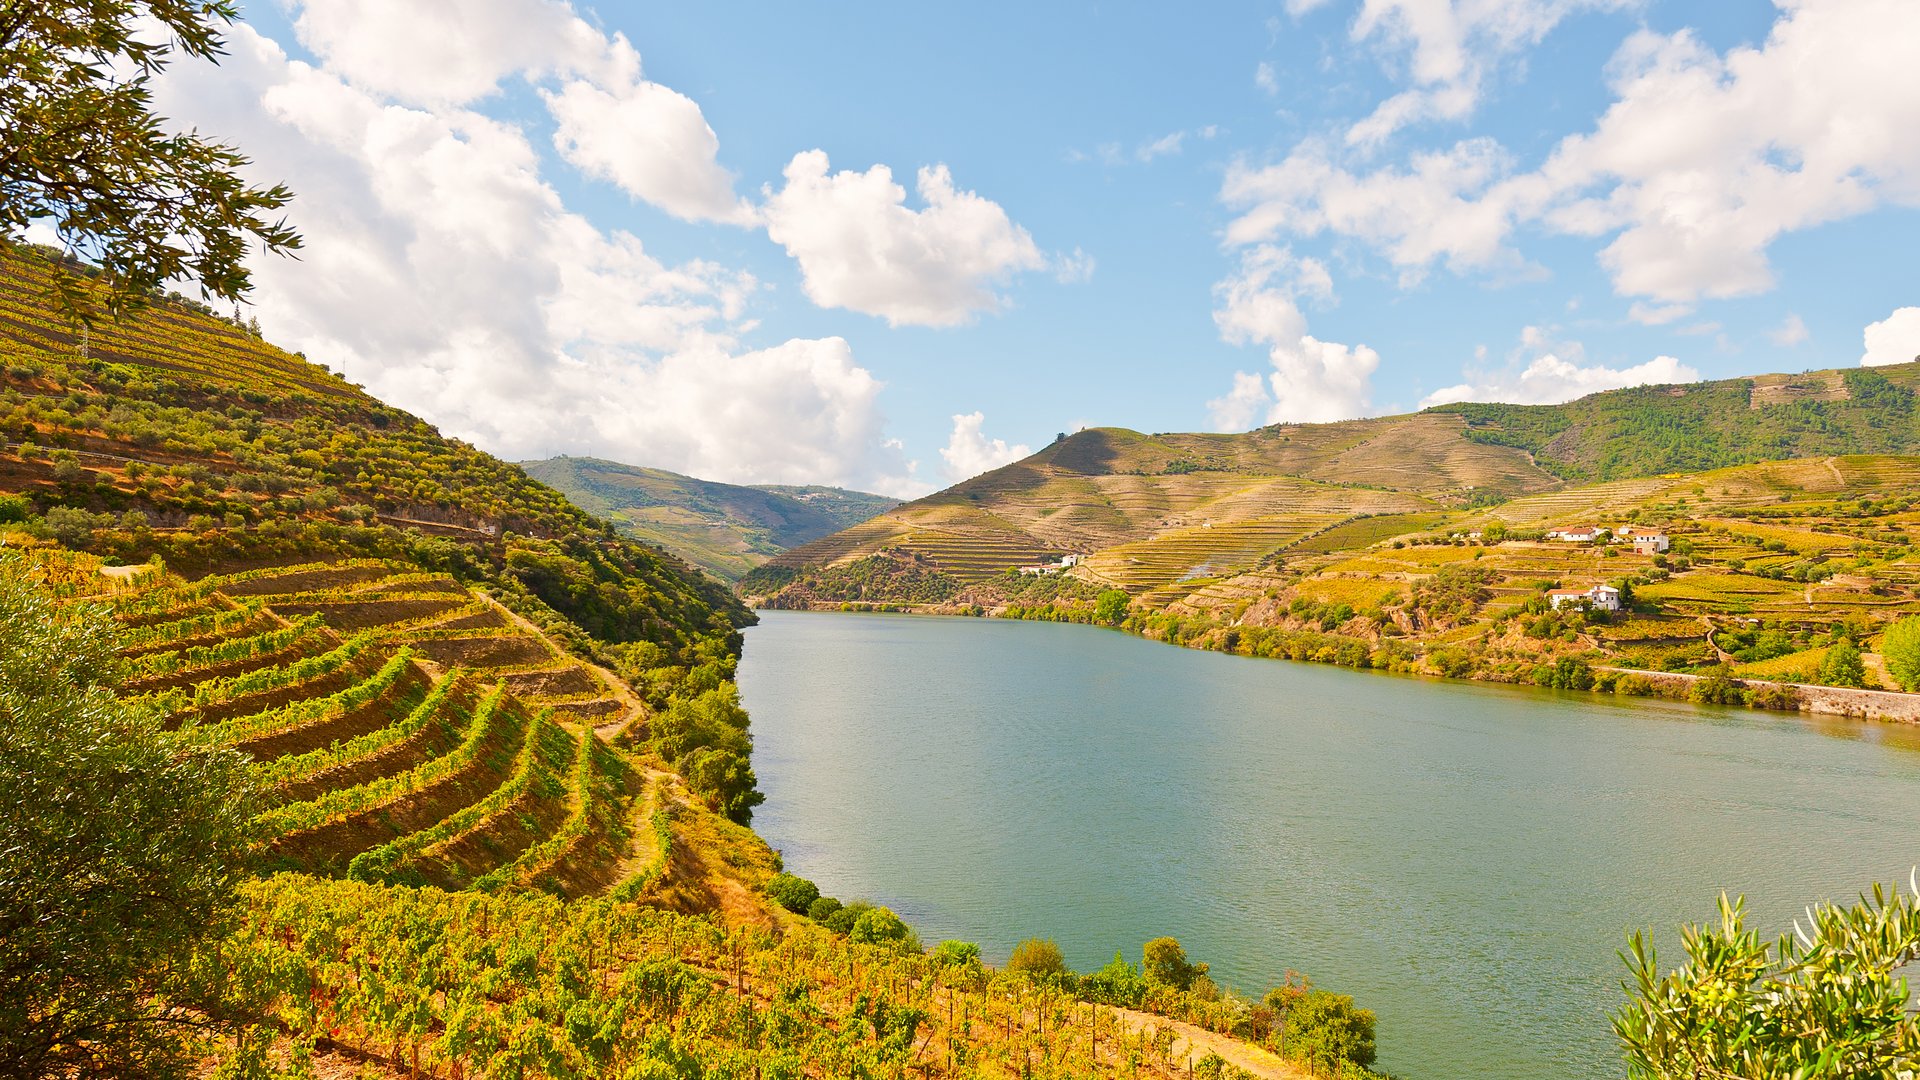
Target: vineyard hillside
724,529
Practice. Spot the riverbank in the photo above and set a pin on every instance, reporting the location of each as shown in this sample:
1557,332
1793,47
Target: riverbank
1556,669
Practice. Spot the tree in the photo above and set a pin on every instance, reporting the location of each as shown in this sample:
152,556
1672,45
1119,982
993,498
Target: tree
81,148
1164,962
793,892
1325,1031
1842,666
1825,1000
1111,607
1037,958
1901,649
120,847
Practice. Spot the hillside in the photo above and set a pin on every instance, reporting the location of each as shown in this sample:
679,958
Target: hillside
725,529
503,775
1152,510
1419,543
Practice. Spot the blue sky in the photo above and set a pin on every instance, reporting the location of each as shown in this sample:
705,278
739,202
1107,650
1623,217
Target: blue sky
1203,218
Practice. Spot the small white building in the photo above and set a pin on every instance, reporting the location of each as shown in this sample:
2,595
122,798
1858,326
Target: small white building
1597,598
1650,543
1578,534
1052,568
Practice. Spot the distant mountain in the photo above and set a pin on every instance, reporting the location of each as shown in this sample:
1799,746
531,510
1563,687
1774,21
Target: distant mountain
1156,513
726,529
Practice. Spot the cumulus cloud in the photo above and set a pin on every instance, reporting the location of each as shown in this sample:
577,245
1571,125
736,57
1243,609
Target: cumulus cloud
1312,380
969,452
445,273
1702,160
1894,339
1555,371
860,247
1449,49
649,140
444,52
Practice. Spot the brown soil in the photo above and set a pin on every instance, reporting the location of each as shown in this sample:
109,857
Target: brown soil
190,676
435,738
481,620
359,615
248,704
378,713
331,846
484,651
566,682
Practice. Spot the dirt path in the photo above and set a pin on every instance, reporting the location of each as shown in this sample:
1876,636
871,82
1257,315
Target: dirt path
1197,1043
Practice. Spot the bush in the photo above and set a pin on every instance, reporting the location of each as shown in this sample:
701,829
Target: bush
841,921
1111,607
823,909
1716,688
1037,958
878,926
14,509
957,954
72,527
1119,983
793,892
1325,1031
1842,666
1164,963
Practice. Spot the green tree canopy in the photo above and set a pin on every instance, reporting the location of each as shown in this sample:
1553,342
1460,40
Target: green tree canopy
120,847
1163,961
81,149
1901,650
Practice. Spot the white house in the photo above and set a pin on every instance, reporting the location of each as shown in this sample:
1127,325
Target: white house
1052,568
1598,598
1650,543
1579,534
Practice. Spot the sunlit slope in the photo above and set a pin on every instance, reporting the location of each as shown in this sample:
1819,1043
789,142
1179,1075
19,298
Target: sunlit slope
177,433
725,529
1155,510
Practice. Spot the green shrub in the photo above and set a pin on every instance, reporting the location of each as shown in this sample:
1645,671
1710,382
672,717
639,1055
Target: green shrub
1111,607
1119,983
841,921
878,926
793,892
1842,666
1037,958
14,509
1163,962
1325,1031
823,909
957,954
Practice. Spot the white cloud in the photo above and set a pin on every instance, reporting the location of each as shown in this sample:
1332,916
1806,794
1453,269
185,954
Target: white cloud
1161,147
1265,79
1450,49
1698,165
444,52
653,142
1438,209
1894,339
443,272
1658,314
1555,371
969,452
1311,380
861,247
1789,333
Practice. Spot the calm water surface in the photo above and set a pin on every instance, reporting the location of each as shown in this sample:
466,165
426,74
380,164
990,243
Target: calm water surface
1464,859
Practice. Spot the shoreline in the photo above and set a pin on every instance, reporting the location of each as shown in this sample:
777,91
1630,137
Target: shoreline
1881,706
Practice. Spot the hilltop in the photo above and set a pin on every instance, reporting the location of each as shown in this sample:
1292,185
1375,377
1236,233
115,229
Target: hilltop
725,529
1420,542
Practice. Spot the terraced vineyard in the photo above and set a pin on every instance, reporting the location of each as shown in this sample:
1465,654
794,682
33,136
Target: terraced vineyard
409,729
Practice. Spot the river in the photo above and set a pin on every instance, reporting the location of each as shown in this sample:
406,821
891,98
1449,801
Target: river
1464,859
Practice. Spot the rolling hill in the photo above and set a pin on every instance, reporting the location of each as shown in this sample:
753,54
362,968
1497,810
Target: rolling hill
1152,510
725,529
